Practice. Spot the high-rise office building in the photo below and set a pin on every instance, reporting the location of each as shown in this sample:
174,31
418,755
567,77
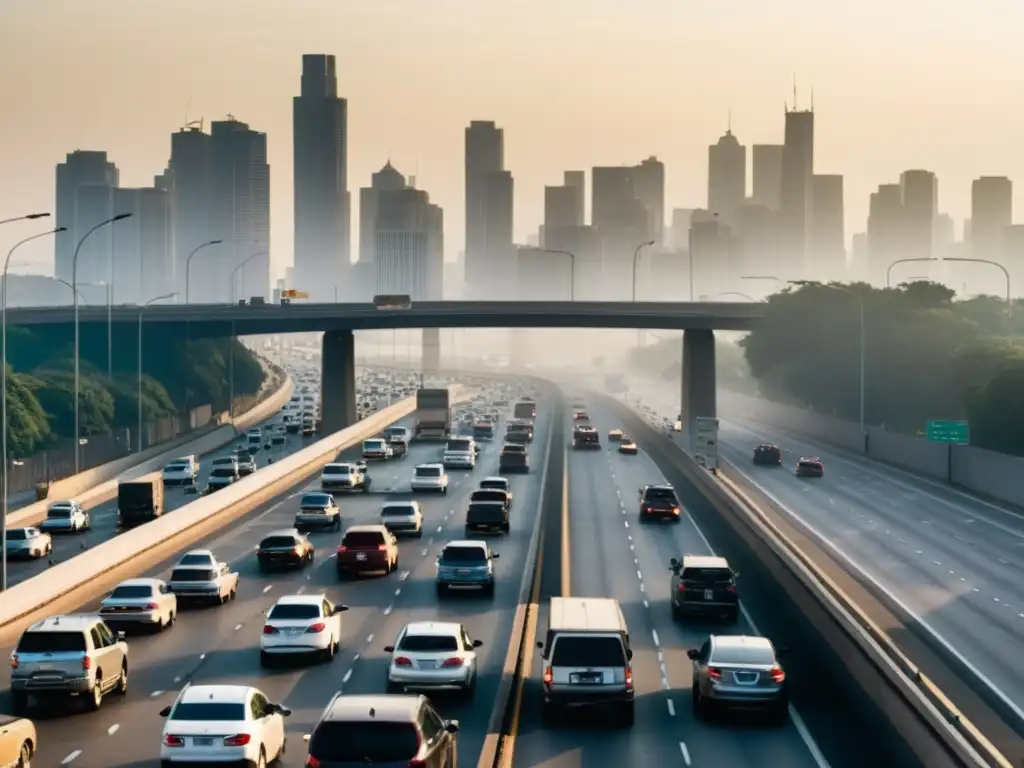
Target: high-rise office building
562,207
320,168
577,180
919,193
681,228
727,177
767,175
649,189
796,191
489,208
143,246
885,233
409,252
827,249
622,222
80,168
991,214
387,178
189,177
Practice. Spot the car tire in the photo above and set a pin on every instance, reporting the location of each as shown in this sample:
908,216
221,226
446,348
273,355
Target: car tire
440,590
24,756
95,701
444,491
677,613
19,703
419,533
549,715
122,682
470,690
489,590
701,710
328,656
628,714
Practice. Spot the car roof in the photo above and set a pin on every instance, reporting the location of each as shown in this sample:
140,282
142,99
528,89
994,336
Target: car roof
659,487
338,465
366,528
741,641
704,561
139,582
283,532
301,599
363,708
810,459
495,479
67,623
433,628
430,466
470,542
236,694
208,552
399,503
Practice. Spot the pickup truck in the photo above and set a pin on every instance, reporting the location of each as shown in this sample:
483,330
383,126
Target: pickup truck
213,582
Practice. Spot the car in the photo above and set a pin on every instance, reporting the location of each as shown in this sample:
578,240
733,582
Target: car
627,446
344,476
140,603
580,416
519,432
768,455
498,495
28,543
18,741
738,672
246,465
65,517
222,724
366,549
460,453
810,467
308,426
376,449
180,471
317,510
465,565
498,484
287,548
659,502
206,582
197,558
429,477
301,625
403,518
615,435
381,729
221,477
703,585
487,517
584,437
483,430
433,655
68,657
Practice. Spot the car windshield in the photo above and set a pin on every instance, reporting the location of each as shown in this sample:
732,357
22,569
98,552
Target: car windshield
357,539
209,711
743,654
498,485
192,574
223,472
428,471
373,445
132,592
59,512
512,448
660,494
364,743
458,445
399,510
588,652
277,542
52,642
463,555
316,500
336,469
196,558
289,611
429,643
177,466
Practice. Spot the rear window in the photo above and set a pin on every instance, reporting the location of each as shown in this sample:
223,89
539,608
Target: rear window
195,560
58,512
514,449
52,642
373,445
403,510
463,555
192,574
499,485
336,469
223,472
660,494
588,652
277,541
428,643
17,534
458,445
743,655
177,466
708,575
363,539
132,592
315,500
285,611
428,471
812,464
489,494
208,711
487,429
364,743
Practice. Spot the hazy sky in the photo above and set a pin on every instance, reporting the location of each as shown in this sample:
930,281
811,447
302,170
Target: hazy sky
898,84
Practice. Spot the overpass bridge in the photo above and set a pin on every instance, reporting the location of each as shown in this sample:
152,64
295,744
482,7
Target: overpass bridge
338,322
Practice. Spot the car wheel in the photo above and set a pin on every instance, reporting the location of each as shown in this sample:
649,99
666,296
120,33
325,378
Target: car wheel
470,690
96,700
628,714
441,590
548,715
700,705
677,614
19,703
24,756
329,651
122,682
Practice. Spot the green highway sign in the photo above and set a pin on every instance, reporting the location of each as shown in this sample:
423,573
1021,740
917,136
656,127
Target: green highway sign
948,432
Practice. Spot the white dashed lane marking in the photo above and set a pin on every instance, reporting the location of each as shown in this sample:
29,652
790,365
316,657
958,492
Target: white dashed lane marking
671,708
347,677
71,758
154,694
112,729
686,753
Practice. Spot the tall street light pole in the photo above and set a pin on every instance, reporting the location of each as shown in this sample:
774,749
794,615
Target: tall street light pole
231,281
3,397
1006,274
916,260
138,439
572,269
81,298
28,217
74,290
231,350
636,261
188,262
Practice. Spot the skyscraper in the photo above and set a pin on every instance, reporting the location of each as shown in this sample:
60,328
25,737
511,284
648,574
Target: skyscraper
577,180
919,193
143,246
93,169
796,190
885,232
649,189
321,197
991,214
489,208
622,222
387,178
767,175
189,178
727,177
409,251
563,205
827,251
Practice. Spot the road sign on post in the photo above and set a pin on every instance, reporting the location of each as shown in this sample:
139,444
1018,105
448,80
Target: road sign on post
705,447
955,432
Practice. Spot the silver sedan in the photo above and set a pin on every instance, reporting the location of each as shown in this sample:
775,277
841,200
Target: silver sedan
145,603
29,543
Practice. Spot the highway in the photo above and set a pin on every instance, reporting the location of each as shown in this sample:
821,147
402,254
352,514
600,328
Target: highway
220,644
610,554
951,560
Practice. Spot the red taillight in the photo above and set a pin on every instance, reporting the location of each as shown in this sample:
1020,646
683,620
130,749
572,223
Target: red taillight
629,677
312,762
454,661
778,674
173,741
675,510
86,662
548,677
14,661
681,587
403,661
731,589
318,627
714,674
342,549
269,630
297,550
151,606
382,547
260,552
645,508
238,740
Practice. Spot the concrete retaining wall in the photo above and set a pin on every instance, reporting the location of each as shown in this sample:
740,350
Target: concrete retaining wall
985,472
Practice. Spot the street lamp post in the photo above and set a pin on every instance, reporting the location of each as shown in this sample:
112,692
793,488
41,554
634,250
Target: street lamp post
138,439
636,261
1006,274
29,217
74,290
741,295
572,270
81,298
860,301
231,281
188,262
3,395
231,351
915,260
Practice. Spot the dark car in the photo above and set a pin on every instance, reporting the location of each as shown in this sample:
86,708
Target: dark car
659,502
367,549
519,432
497,495
585,438
810,468
487,517
513,458
767,456
483,430
704,586
284,549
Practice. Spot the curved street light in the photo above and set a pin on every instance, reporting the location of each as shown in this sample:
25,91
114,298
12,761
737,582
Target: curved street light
30,217
1006,274
142,307
81,298
231,352
915,260
188,262
572,268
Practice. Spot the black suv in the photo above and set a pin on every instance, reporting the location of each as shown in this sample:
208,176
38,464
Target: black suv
704,585
382,729
767,456
659,502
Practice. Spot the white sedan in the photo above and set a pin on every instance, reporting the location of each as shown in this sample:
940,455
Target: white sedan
222,724
433,655
145,603
301,625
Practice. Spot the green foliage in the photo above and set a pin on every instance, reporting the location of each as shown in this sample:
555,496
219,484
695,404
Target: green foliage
27,426
927,357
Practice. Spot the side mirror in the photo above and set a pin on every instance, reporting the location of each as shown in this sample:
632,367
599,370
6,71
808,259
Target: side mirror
673,564
165,712
121,635
478,643
281,710
693,654
306,737
389,648
540,644
495,555
629,654
452,726
340,608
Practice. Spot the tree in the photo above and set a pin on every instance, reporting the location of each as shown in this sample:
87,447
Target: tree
27,427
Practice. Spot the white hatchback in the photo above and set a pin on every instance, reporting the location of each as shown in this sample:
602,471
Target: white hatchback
429,477
301,625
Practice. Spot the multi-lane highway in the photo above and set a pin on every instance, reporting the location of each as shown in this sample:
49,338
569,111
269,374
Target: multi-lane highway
221,644
610,554
951,560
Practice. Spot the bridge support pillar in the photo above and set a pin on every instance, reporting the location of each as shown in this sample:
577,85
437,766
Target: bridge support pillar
699,388
431,350
338,381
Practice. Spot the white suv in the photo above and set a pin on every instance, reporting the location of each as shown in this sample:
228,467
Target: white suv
429,477
460,453
301,625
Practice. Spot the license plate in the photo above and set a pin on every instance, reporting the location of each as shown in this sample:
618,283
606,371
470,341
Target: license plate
586,678
463,573
45,667
297,631
709,594
361,556
202,741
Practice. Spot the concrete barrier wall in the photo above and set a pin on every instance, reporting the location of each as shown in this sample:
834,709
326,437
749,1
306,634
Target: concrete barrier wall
996,475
